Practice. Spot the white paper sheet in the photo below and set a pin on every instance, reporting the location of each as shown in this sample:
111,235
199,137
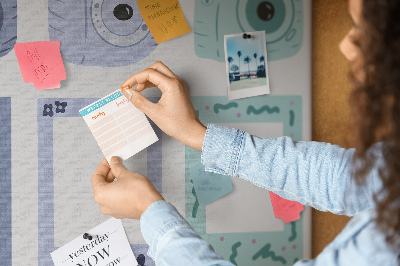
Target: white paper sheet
118,126
109,246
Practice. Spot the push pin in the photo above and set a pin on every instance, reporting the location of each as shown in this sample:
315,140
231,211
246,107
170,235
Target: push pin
87,236
246,36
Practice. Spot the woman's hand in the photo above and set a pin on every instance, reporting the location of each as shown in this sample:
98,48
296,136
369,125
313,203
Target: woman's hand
127,197
174,113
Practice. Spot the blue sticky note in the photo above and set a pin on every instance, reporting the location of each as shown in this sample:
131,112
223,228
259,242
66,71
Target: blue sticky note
209,186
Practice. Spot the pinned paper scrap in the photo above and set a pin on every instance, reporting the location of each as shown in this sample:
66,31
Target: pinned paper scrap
284,209
164,18
209,186
108,246
41,63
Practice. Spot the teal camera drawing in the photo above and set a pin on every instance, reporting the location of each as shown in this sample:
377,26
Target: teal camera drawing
282,21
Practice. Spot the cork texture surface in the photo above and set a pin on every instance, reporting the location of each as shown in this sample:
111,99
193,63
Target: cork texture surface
331,88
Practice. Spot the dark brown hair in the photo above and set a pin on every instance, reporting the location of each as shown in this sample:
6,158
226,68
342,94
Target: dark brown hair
375,103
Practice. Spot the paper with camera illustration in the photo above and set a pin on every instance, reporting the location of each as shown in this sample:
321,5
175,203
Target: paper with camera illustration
100,33
8,26
282,20
164,19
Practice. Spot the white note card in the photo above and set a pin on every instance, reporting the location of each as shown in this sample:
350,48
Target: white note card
118,126
109,246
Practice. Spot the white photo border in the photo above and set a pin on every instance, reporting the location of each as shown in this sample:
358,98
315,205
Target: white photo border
248,92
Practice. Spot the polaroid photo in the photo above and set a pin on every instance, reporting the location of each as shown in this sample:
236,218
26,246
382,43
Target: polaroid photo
246,64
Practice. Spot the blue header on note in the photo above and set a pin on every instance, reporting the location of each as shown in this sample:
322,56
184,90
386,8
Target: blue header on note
100,103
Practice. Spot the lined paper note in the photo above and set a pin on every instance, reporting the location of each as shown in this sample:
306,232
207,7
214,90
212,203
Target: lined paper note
118,126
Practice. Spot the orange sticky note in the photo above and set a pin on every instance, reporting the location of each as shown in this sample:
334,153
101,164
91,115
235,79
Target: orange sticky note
284,209
164,18
41,63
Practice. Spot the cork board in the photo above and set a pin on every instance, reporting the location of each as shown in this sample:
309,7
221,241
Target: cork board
330,23
330,124
331,89
47,185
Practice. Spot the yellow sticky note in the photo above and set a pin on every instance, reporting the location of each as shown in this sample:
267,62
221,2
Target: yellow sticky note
164,18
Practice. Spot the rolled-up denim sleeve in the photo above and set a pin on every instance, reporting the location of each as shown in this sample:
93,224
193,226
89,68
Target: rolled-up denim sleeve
312,173
172,241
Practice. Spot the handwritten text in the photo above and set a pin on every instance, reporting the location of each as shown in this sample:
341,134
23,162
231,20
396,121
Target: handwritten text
100,114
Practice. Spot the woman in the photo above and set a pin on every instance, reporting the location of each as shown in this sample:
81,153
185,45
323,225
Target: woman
362,182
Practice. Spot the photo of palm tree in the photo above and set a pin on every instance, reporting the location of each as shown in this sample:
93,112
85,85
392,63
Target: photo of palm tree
246,63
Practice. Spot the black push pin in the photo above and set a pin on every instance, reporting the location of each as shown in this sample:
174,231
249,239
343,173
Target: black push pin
246,36
87,236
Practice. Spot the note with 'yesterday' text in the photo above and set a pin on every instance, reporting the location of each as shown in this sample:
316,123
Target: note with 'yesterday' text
109,246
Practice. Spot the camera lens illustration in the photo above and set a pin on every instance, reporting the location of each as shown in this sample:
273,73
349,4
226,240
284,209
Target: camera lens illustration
123,12
207,2
8,26
109,33
282,21
265,11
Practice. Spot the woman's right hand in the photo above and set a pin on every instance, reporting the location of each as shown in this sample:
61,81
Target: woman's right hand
174,113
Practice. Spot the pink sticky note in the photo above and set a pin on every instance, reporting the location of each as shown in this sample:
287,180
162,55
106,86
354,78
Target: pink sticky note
41,63
284,209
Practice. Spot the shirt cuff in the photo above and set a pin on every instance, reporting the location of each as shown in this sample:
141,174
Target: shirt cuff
158,219
222,148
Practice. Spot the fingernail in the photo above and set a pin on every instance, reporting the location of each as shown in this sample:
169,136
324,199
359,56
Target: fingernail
115,160
124,88
128,93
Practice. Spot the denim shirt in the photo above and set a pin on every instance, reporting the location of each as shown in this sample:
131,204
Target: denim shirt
312,173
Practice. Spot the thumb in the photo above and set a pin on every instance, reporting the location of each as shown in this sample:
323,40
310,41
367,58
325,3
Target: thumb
138,100
100,174
117,167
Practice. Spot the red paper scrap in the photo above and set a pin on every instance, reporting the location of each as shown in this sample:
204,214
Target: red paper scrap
284,209
41,63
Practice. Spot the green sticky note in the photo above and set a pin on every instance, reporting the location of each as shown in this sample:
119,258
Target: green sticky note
209,186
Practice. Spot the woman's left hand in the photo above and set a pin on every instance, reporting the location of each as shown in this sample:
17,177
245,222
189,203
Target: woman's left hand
127,197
